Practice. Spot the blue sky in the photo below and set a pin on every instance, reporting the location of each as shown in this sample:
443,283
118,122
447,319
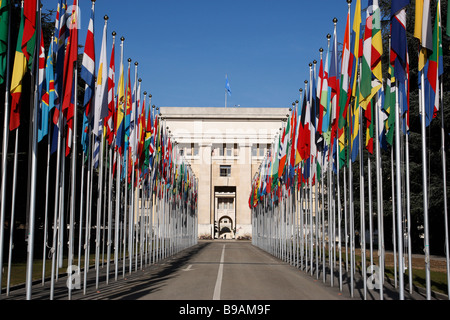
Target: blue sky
185,48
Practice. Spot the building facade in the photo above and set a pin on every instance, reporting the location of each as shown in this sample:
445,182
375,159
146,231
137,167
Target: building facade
225,147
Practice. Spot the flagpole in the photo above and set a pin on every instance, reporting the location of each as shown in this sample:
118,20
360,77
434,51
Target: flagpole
5,146
13,204
425,191
47,179
31,231
444,176
379,194
398,191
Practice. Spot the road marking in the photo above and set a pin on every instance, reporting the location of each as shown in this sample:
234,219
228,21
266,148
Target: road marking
188,268
218,287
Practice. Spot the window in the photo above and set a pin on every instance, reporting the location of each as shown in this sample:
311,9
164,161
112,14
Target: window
261,151
236,150
254,150
195,150
225,171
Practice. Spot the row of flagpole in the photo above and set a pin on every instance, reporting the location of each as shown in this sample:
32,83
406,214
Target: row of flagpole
137,192
297,191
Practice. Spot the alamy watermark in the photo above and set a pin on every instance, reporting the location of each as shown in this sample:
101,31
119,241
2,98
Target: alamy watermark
73,280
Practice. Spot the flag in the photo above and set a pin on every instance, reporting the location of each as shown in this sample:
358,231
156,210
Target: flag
389,106
4,27
109,121
61,35
355,125
29,31
325,100
19,70
434,71
101,99
48,96
344,96
283,148
120,106
371,59
227,85
68,83
42,88
423,30
101,95
88,75
398,37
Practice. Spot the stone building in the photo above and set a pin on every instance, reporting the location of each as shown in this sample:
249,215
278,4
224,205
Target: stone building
224,147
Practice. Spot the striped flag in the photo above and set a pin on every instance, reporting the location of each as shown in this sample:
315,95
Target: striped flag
49,96
109,121
344,97
88,75
71,57
423,30
43,106
19,70
434,69
398,37
101,99
29,31
61,35
120,107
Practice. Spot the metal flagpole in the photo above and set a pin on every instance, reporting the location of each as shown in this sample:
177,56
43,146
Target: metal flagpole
408,212
5,147
351,209
31,231
74,175
379,191
444,176
425,192
13,204
398,191
80,231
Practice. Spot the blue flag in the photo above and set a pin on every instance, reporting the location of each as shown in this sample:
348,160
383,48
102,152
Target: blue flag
227,85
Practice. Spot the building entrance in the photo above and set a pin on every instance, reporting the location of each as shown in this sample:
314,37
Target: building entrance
225,212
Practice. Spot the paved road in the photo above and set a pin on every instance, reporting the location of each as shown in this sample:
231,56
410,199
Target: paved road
211,270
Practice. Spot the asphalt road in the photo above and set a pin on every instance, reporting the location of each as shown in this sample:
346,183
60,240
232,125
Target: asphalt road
212,270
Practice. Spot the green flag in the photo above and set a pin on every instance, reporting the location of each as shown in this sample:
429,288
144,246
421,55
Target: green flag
4,26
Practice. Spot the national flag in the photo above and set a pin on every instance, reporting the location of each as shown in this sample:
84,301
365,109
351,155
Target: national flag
120,124
101,95
61,35
389,106
283,148
29,31
109,121
344,96
398,37
355,126
325,100
42,88
19,70
48,97
4,27
227,85
423,30
69,65
434,71
88,75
